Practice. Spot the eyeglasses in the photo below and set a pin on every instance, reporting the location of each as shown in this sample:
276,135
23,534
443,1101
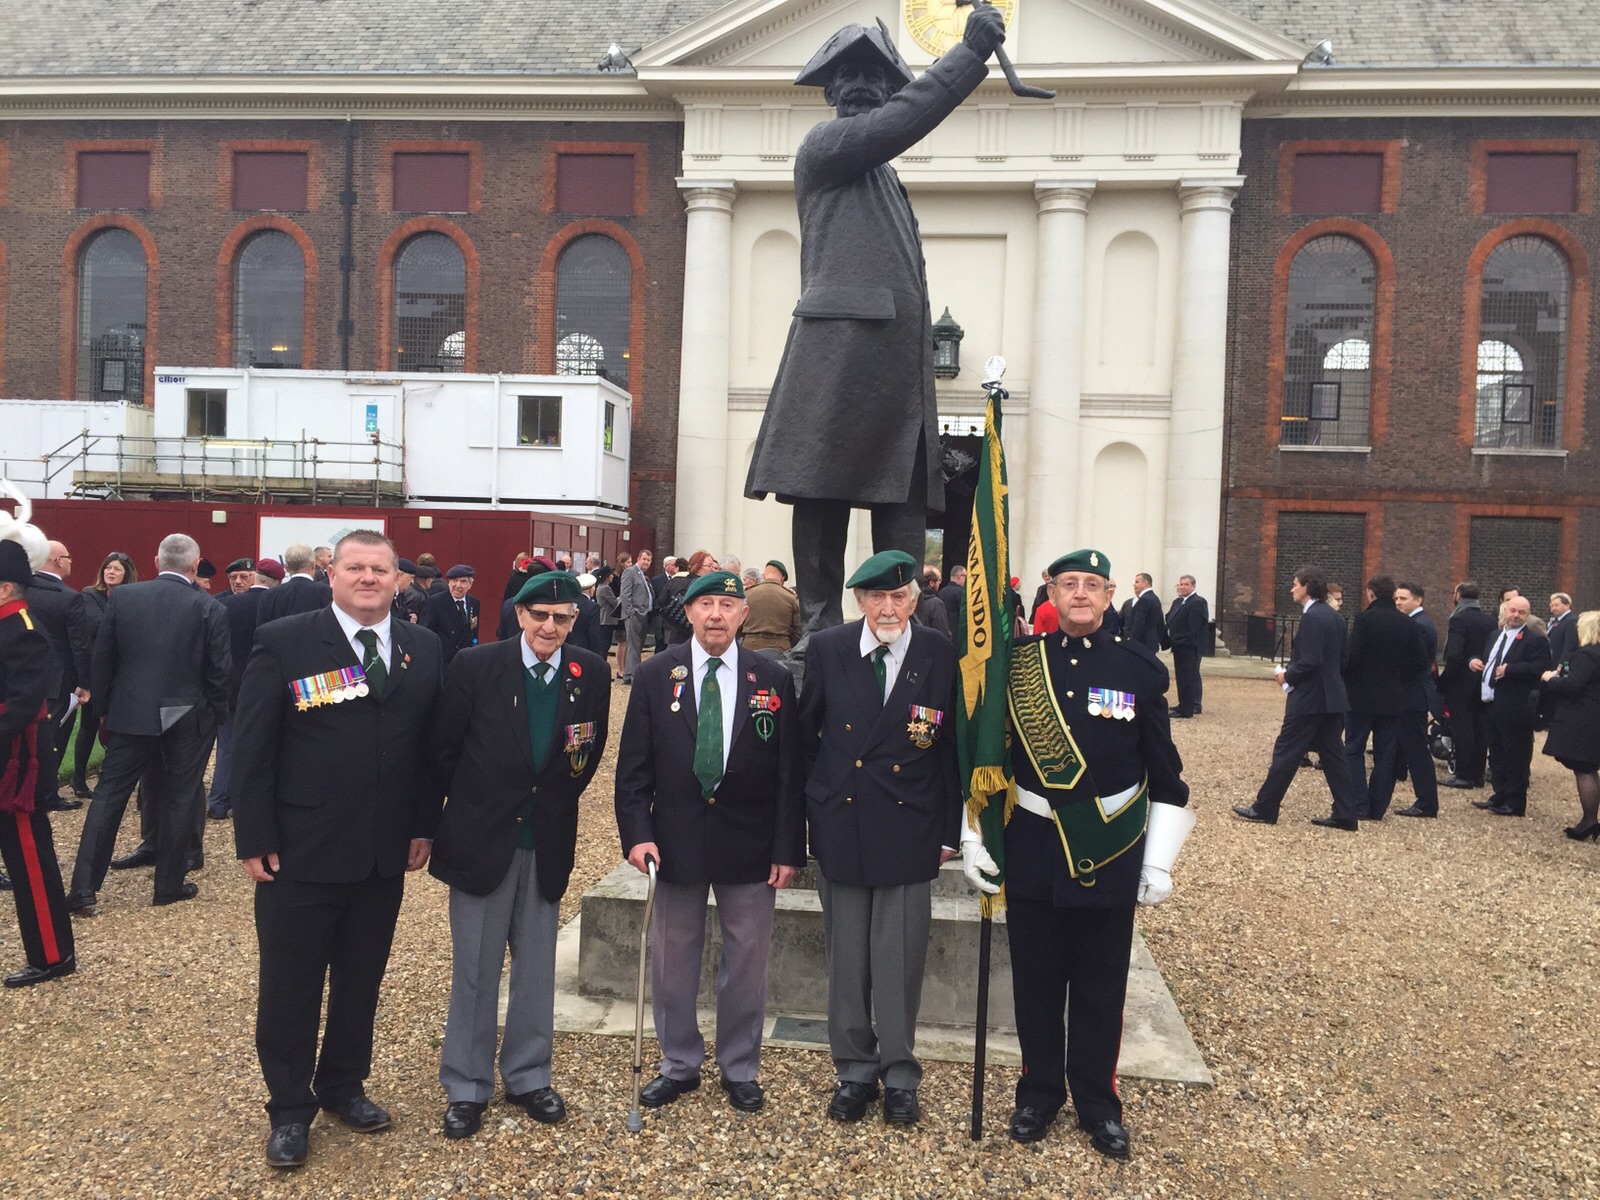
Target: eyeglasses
1090,586
539,616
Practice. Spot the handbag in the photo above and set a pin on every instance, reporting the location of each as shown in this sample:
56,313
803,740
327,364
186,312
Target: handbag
672,612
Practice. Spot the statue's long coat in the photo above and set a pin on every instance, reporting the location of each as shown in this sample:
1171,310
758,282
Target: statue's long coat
855,392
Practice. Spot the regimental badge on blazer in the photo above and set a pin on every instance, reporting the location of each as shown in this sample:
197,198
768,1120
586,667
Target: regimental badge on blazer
764,706
924,726
579,745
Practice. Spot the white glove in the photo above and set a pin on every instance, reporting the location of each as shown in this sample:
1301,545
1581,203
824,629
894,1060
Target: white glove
1164,836
976,863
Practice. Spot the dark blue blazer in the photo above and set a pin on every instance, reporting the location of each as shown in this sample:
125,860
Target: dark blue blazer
441,615
880,807
1316,665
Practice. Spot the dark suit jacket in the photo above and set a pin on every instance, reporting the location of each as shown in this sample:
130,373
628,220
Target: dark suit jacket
480,739
1187,621
1575,713
1527,658
880,807
337,791
952,595
1563,635
455,632
243,611
54,609
586,629
1466,636
1423,695
1384,659
756,817
161,644
296,594
1145,624
86,617
1315,665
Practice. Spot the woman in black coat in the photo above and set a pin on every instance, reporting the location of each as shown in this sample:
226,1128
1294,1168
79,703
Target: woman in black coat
1574,737
116,570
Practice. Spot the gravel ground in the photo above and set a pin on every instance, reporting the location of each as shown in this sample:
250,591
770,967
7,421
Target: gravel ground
1399,1013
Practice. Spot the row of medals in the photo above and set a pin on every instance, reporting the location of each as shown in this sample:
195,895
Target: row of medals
1116,711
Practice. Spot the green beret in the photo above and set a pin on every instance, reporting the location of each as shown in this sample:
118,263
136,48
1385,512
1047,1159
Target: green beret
782,570
714,583
552,587
1090,561
886,570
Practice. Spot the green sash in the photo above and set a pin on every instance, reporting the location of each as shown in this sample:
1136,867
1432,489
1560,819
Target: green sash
1090,838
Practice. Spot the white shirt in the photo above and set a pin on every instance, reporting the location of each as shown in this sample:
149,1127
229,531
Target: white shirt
351,627
174,574
891,661
1306,607
1496,659
727,685
530,659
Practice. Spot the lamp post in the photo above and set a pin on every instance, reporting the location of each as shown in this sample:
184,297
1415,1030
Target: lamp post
946,346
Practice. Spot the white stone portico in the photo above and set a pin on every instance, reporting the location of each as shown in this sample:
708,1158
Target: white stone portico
1084,238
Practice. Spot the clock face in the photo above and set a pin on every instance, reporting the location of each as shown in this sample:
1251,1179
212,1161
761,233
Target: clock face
936,25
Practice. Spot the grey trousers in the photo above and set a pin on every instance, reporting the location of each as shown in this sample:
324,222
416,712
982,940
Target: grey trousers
678,939
481,928
877,946
636,627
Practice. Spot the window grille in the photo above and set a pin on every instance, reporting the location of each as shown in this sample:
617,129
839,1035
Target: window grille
111,317
1327,372
269,297
430,305
538,420
594,291
1520,552
1336,542
1522,345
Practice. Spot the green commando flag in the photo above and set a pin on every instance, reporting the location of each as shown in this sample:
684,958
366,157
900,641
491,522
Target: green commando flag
983,641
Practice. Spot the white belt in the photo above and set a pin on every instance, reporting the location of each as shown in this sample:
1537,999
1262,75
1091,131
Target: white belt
1040,807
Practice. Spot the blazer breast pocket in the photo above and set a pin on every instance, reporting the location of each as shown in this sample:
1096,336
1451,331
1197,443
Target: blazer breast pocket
836,301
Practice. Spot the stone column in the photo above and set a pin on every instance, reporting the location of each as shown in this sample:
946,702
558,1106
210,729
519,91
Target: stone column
703,373
1194,452
1050,509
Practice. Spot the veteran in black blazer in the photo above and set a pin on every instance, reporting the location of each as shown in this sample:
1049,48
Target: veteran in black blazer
1562,629
333,801
1313,711
452,614
299,593
1187,620
709,784
159,673
884,804
1509,670
1469,632
519,736
1145,623
1383,657
243,613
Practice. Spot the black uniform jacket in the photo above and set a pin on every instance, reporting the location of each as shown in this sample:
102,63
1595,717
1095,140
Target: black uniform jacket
443,616
53,607
339,790
481,741
1385,656
243,610
880,806
1527,658
24,673
1145,624
1316,665
1187,620
294,595
1120,754
756,817
1468,634
162,644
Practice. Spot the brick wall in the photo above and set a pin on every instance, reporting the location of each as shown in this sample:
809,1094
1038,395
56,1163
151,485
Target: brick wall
509,228
1420,485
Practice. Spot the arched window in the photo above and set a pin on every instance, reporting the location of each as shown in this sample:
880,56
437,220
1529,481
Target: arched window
594,290
269,298
430,304
111,317
1522,345
1327,371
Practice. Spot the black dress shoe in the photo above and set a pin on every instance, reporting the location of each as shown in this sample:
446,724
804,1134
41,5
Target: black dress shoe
31,975
1491,802
542,1104
850,1101
218,812
1254,814
900,1107
1370,817
361,1114
1348,824
1108,1137
139,858
746,1097
1413,811
83,906
187,892
80,789
287,1145
1453,782
463,1118
1030,1125
60,803
1178,714
1505,810
661,1091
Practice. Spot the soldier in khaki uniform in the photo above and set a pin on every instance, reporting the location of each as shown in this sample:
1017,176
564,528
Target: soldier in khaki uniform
774,620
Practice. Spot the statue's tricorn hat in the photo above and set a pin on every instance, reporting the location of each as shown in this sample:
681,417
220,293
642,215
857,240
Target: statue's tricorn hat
856,41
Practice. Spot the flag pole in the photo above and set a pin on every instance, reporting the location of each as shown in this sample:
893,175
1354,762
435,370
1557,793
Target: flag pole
981,1034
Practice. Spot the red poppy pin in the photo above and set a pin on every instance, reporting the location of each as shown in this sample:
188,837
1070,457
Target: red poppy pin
575,670
773,703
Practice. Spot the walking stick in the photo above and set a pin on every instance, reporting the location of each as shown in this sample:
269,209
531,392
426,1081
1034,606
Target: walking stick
1026,90
985,933
635,1118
